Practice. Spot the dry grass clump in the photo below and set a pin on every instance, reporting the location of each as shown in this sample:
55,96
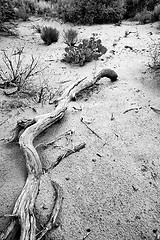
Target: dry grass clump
49,35
70,37
37,28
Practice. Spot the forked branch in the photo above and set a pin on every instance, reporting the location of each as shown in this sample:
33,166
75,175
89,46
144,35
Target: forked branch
25,133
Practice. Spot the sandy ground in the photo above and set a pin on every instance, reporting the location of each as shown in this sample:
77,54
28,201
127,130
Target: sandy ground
111,187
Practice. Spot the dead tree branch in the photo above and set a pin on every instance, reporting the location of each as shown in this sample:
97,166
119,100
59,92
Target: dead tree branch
25,133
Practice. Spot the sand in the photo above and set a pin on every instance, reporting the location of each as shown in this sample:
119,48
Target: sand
111,187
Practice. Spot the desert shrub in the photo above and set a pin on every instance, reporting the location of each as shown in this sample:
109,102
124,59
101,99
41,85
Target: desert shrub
43,8
44,93
91,11
154,56
7,14
28,5
131,9
6,10
15,74
21,13
70,37
37,28
85,51
112,14
157,12
144,17
138,6
49,35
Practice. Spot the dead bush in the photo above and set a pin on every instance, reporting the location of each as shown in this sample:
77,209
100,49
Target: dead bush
15,75
44,94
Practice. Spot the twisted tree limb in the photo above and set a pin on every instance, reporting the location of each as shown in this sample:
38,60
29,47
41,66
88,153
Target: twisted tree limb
25,132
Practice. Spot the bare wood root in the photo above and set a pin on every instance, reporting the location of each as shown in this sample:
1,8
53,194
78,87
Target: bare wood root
26,131
52,220
67,153
71,92
20,127
156,110
46,145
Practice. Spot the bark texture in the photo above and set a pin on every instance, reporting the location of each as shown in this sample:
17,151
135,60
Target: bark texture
25,132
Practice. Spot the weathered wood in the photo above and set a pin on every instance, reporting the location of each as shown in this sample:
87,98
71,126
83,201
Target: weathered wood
53,217
67,153
25,132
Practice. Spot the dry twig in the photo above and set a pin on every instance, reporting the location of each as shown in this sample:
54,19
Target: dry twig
91,129
131,109
156,110
67,153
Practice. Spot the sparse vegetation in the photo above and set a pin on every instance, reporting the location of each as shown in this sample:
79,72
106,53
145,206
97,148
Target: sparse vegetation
44,93
16,75
37,28
157,12
155,56
49,35
144,17
43,8
21,13
70,37
7,14
86,51
82,12
29,6
6,10
91,12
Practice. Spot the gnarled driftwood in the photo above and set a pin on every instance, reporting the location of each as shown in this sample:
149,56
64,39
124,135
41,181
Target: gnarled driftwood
25,132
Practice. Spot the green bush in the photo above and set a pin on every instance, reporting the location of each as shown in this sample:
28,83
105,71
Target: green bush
43,8
70,37
86,51
28,5
157,12
7,14
144,17
134,7
91,11
6,10
21,13
49,35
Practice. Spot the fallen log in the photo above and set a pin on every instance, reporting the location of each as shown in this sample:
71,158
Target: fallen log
25,133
